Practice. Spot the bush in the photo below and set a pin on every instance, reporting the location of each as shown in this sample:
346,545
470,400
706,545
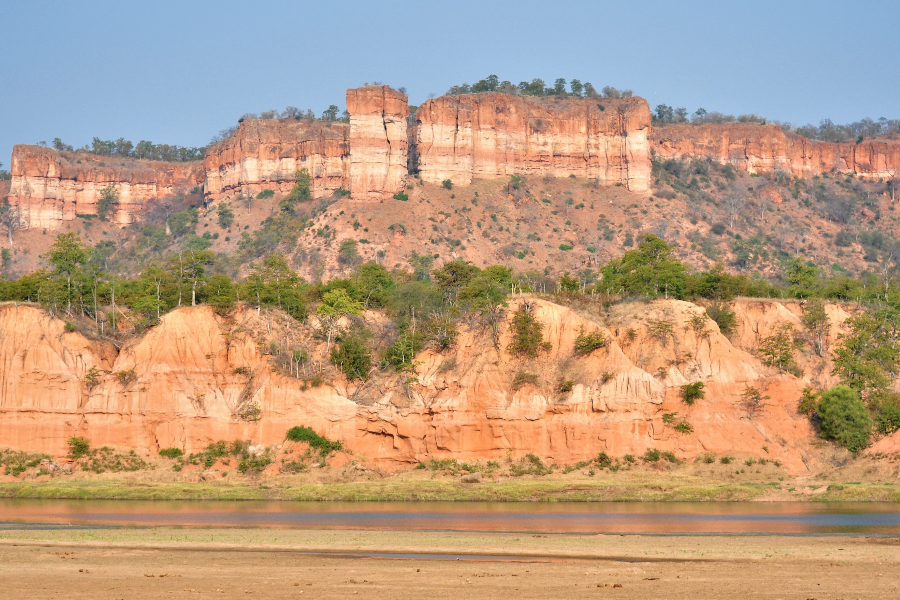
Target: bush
586,343
528,337
301,433
843,418
522,379
447,184
565,247
263,195
401,196
723,316
692,392
718,228
78,447
172,453
353,358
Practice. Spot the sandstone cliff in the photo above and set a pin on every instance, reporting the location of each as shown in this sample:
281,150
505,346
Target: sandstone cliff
767,148
483,136
378,142
267,153
50,187
196,377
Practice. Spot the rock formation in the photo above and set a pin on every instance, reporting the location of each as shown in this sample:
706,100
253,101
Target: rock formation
50,187
488,135
197,378
378,142
767,148
267,153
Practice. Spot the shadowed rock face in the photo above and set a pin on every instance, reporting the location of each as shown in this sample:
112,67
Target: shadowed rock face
767,148
196,373
483,136
50,187
267,153
378,142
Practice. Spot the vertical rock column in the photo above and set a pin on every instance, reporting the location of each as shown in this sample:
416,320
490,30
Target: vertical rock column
378,142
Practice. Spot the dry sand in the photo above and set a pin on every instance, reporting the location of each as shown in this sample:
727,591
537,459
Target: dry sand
231,563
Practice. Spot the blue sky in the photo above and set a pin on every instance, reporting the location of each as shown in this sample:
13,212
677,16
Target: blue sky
180,71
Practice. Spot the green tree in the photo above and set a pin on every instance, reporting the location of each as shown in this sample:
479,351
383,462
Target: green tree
866,358
777,350
348,253
843,418
225,215
68,258
220,293
649,270
301,191
801,276
108,201
815,321
189,269
527,333
335,305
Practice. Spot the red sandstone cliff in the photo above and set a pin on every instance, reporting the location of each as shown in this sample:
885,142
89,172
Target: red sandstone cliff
766,148
51,186
267,153
196,373
483,136
378,142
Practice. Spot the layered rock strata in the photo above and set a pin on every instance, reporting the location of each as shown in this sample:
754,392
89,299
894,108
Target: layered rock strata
767,148
488,135
267,153
378,142
49,186
196,377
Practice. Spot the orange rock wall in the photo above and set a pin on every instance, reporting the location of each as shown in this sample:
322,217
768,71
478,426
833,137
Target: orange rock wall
766,148
51,186
191,381
378,142
267,153
489,135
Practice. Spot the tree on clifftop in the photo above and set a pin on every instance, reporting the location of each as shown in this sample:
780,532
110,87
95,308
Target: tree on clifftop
650,270
68,257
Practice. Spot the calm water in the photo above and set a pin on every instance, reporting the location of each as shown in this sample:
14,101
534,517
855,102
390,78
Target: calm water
787,518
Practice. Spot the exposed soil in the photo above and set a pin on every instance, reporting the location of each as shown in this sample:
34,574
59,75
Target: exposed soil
284,565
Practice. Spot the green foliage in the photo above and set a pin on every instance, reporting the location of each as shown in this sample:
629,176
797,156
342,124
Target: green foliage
404,349
691,392
684,427
301,192
723,316
565,247
777,350
106,459
530,465
92,378
171,453
220,293
527,333
108,201
650,270
753,401
887,413
78,447
348,253
353,357
585,343
265,194
225,215
184,222
16,462
402,196
447,184
866,358
523,378
843,418
815,321
302,433
809,402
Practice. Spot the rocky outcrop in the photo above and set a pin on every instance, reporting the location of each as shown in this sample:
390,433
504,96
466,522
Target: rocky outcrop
49,186
267,153
489,135
198,377
378,142
767,148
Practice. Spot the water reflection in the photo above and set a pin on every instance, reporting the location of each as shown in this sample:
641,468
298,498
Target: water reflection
563,517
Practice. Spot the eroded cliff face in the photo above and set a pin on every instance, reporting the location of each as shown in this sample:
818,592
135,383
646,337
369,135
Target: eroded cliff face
267,153
767,148
378,142
483,136
49,186
196,377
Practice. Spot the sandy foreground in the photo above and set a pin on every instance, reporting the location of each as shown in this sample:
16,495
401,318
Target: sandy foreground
245,563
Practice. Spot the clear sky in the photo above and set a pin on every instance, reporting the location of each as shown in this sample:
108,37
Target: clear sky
180,71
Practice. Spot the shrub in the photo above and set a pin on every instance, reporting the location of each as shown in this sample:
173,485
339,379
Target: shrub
684,427
523,378
887,414
263,195
447,184
172,453
530,465
403,196
651,455
726,460
777,350
565,247
718,228
225,215
586,343
692,392
528,337
78,447
809,402
753,401
843,418
565,386
353,358
723,316
301,433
